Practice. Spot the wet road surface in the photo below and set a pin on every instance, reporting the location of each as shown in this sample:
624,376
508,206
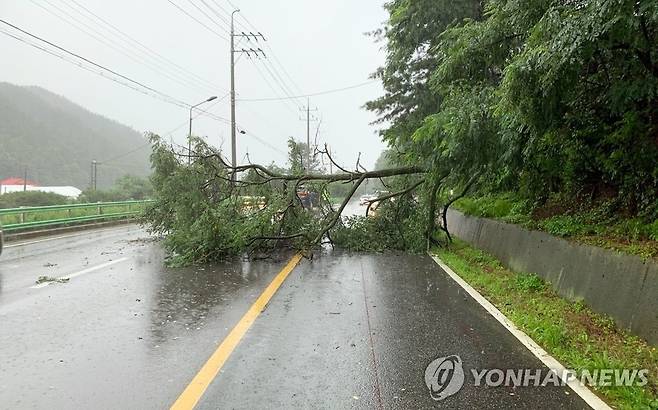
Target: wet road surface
130,336
357,331
343,331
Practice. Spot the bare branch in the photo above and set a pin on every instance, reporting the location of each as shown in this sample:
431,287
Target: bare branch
336,217
326,152
393,195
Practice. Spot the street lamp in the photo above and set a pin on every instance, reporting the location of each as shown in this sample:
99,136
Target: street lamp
189,135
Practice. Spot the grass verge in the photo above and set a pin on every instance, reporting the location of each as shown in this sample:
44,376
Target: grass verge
593,225
577,337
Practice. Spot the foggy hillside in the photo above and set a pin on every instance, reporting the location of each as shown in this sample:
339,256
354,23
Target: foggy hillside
57,140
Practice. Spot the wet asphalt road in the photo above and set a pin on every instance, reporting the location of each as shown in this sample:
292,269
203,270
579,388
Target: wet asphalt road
343,331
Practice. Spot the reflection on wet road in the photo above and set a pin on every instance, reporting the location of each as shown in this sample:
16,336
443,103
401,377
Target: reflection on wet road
343,331
357,331
128,336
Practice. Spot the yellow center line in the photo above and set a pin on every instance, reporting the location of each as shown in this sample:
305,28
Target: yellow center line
197,387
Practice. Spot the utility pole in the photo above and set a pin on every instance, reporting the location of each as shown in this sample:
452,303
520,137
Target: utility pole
25,179
331,164
308,135
233,147
249,52
308,132
94,175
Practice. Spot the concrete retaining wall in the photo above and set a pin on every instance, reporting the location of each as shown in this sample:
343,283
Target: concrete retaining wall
624,287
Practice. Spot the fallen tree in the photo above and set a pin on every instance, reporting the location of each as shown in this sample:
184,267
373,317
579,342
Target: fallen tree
209,210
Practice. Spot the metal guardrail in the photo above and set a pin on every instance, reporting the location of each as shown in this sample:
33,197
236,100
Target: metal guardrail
17,219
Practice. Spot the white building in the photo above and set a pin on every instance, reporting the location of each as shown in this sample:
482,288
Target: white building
67,191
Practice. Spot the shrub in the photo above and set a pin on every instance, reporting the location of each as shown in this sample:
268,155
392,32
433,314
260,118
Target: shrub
31,198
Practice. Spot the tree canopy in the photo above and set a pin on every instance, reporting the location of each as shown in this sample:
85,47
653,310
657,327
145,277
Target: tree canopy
543,97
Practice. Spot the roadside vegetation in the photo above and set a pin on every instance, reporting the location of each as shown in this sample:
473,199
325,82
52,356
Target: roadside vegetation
553,101
128,187
125,188
593,224
31,198
577,337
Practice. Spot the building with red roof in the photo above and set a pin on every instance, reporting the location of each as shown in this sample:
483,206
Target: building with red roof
17,181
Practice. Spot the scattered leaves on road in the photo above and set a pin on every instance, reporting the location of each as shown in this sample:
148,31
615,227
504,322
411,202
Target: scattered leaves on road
49,279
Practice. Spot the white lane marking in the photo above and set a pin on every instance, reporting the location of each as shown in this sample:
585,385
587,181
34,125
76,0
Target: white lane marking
82,272
53,238
586,394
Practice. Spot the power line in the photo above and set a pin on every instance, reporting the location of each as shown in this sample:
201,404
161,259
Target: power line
112,44
197,20
200,112
206,14
263,141
125,154
269,84
81,66
286,90
222,8
132,84
233,51
265,78
336,90
272,69
284,69
268,66
78,56
270,125
270,50
219,15
155,54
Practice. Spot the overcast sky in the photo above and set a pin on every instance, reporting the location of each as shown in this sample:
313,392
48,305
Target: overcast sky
312,46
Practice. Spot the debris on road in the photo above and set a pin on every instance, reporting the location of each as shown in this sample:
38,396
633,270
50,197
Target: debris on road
48,279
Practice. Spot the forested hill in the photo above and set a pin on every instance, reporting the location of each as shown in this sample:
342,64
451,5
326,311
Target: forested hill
57,140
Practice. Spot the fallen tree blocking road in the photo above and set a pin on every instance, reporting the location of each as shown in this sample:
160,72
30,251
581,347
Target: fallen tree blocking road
199,205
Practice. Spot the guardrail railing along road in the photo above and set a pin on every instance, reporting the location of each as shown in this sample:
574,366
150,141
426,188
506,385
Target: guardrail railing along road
18,219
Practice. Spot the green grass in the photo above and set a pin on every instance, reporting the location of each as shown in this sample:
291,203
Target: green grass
579,338
596,226
504,206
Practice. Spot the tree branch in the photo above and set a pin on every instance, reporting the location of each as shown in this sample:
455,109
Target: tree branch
393,195
444,214
336,217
